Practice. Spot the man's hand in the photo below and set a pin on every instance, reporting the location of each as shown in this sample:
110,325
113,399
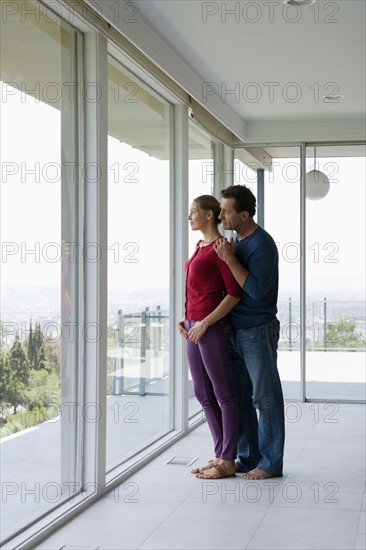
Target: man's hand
225,249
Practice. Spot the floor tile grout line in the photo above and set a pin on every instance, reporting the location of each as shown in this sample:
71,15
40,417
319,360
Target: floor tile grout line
165,519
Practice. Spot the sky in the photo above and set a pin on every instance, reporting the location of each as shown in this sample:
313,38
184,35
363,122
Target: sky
139,210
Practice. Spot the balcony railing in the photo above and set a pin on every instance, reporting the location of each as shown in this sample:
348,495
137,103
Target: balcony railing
330,326
138,357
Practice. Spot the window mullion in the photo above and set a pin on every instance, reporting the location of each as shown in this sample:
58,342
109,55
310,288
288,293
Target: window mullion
95,260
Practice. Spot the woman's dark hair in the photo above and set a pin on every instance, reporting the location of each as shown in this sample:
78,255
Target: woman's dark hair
208,202
244,200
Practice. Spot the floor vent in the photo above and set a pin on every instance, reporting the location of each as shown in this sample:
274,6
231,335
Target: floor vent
181,460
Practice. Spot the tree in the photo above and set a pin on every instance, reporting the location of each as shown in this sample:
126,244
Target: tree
52,352
30,346
343,334
43,391
38,341
42,362
2,336
34,344
3,377
16,374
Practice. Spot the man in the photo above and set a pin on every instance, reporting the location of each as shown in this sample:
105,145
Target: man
252,257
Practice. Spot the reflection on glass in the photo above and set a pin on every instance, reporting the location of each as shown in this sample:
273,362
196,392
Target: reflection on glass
138,365
39,284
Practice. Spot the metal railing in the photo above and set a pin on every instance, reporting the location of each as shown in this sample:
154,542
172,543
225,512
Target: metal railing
140,339
139,353
330,325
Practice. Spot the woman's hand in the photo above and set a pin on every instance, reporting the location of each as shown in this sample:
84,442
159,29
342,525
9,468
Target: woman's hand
196,332
181,329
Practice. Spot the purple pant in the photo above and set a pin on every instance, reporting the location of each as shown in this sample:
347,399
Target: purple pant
211,374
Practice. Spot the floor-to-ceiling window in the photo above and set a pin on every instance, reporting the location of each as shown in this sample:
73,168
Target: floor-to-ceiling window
280,215
335,272
139,370
334,235
282,221
201,176
43,417
40,264
245,172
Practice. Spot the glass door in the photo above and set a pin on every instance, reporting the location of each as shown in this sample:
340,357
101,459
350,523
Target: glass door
335,272
201,176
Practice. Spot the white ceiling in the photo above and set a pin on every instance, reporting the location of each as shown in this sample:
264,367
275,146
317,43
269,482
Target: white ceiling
287,67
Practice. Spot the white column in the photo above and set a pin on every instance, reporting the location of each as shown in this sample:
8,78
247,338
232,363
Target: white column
95,231
179,211
260,197
303,272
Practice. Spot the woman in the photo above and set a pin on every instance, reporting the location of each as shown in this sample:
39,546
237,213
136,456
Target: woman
211,293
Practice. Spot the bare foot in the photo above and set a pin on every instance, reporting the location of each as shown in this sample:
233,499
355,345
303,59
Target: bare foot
225,468
257,473
211,464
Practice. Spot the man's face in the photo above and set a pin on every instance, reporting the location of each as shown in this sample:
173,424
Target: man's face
229,217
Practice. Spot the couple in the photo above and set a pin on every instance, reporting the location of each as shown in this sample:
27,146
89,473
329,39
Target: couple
232,332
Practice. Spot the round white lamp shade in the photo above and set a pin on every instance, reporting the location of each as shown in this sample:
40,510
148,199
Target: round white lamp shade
317,185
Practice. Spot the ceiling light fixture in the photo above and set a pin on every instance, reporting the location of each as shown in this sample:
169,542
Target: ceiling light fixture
317,183
299,2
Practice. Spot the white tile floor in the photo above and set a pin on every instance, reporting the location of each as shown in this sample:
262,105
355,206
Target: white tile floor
318,504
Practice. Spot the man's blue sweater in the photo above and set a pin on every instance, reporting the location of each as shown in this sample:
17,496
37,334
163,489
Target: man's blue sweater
259,255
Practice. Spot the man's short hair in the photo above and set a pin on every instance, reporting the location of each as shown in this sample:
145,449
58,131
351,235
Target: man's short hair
244,200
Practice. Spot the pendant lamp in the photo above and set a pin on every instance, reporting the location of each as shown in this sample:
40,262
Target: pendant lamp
317,183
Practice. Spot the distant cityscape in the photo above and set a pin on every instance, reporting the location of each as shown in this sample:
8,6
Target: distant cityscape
19,305
43,305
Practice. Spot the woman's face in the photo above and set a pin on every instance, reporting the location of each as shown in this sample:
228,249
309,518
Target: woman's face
198,218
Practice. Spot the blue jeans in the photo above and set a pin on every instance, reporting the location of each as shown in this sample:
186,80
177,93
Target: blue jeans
253,357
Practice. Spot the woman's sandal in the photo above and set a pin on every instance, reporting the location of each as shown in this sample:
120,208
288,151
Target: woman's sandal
201,470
